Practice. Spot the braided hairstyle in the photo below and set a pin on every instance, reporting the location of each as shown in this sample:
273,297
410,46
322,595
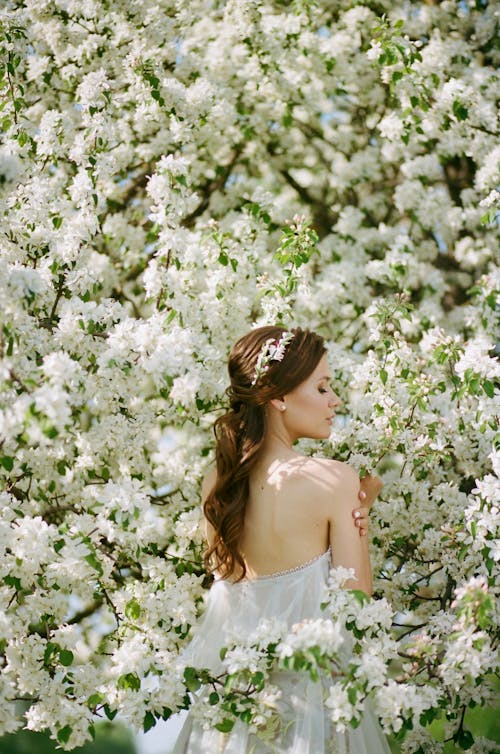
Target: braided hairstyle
241,431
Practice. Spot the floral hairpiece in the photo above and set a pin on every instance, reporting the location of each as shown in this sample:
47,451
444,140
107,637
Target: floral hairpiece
272,350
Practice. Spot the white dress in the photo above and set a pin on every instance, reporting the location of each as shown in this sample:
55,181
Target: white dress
237,608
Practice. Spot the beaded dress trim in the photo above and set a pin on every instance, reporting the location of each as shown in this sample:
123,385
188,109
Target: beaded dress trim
288,571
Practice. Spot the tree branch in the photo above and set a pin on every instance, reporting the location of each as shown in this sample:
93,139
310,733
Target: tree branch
209,187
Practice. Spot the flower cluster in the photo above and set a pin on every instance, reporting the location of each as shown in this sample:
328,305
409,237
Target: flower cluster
272,350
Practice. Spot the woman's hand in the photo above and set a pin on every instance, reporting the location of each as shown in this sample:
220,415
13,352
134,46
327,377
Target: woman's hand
370,487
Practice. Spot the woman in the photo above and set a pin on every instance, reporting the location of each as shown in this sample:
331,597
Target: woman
276,522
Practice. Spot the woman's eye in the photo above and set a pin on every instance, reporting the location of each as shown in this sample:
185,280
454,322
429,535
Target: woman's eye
323,390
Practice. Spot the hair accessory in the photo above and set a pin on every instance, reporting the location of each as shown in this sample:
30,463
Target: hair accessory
272,350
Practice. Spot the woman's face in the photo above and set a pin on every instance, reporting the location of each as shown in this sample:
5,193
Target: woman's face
310,407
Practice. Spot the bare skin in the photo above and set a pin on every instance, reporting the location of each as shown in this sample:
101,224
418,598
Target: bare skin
299,506
370,487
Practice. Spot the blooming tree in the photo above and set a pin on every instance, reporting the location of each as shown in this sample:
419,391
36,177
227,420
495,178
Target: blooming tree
170,173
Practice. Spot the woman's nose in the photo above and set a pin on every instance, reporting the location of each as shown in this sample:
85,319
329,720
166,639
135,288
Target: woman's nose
335,401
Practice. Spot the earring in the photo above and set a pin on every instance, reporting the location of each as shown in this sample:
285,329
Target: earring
282,407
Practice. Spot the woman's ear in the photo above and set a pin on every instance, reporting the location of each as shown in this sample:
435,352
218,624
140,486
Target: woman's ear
278,404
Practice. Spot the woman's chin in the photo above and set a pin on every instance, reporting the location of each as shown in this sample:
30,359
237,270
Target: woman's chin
320,434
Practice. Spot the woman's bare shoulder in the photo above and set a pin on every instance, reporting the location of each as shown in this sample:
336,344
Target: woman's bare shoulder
337,489
324,474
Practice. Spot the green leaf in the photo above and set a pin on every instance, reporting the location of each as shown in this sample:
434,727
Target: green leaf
93,561
383,376
110,713
94,700
489,388
464,738
246,716
474,386
428,716
50,650
50,432
258,679
171,315
66,657
225,726
129,681
148,722
132,609
63,734
361,596
181,179
7,462
12,581
191,679
459,110
488,218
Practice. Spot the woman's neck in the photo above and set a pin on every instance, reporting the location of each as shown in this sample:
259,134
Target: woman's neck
278,440
277,448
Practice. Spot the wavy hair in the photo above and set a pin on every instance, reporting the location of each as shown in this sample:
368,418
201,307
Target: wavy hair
240,434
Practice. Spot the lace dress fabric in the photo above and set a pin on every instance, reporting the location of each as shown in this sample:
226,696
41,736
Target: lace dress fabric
236,609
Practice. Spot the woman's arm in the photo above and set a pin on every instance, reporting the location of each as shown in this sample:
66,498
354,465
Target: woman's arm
348,548
370,487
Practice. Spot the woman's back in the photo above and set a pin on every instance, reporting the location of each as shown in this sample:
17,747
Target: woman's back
287,521
297,508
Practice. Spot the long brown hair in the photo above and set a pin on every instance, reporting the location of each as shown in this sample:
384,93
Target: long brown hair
240,433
